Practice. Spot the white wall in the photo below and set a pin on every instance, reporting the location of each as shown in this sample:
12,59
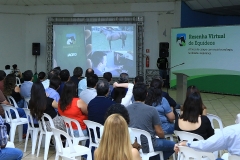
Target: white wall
21,26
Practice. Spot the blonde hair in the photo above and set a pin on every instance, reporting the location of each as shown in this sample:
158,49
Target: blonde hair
115,142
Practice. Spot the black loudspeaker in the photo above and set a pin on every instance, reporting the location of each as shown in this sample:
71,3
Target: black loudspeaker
35,48
163,49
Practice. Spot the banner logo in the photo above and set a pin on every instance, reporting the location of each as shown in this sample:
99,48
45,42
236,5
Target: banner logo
181,39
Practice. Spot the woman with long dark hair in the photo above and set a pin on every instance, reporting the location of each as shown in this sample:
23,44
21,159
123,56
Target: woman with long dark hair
10,89
194,89
154,98
73,107
192,120
40,103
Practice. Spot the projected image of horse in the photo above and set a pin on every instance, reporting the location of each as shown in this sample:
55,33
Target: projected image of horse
112,35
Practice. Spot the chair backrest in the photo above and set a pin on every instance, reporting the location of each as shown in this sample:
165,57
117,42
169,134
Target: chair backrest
213,117
44,123
69,122
11,100
29,117
237,119
191,153
233,157
93,126
138,132
18,82
187,136
8,115
59,146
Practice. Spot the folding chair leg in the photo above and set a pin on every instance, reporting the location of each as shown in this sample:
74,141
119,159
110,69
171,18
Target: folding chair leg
26,141
39,143
20,132
47,142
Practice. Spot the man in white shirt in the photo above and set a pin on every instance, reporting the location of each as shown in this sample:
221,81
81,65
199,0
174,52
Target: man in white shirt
226,139
7,69
88,94
83,83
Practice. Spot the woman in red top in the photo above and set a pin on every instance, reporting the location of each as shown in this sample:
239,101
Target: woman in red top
73,107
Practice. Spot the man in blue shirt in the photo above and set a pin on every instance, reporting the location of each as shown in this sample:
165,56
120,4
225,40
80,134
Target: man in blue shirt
99,105
7,153
27,85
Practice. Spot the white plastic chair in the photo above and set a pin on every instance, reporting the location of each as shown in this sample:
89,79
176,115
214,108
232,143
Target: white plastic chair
145,156
191,153
46,133
187,136
26,102
68,122
233,157
170,136
11,100
14,122
72,151
18,82
10,145
237,119
212,117
92,128
31,130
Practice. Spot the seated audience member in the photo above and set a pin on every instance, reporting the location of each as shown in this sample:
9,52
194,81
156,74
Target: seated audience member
2,77
73,107
64,76
52,90
154,98
77,75
7,69
108,77
122,92
83,83
41,76
194,89
16,71
88,94
5,152
40,103
121,110
10,89
20,112
52,73
58,69
27,85
138,79
170,100
145,117
227,139
192,120
116,133
99,105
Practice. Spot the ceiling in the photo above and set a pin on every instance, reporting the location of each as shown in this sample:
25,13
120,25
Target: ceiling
218,7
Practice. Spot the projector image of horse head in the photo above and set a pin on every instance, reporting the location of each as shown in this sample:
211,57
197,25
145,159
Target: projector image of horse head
113,35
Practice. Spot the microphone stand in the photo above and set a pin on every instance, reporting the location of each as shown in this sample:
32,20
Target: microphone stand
168,71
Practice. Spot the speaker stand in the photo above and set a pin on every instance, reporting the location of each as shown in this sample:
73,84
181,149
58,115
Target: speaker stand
35,65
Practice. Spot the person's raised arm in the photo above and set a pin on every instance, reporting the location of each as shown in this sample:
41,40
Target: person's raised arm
124,85
83,106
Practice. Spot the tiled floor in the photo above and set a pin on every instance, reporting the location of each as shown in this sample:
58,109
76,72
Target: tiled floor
225,106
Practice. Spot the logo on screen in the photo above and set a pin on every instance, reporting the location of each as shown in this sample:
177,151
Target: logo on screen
71,39
181,39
